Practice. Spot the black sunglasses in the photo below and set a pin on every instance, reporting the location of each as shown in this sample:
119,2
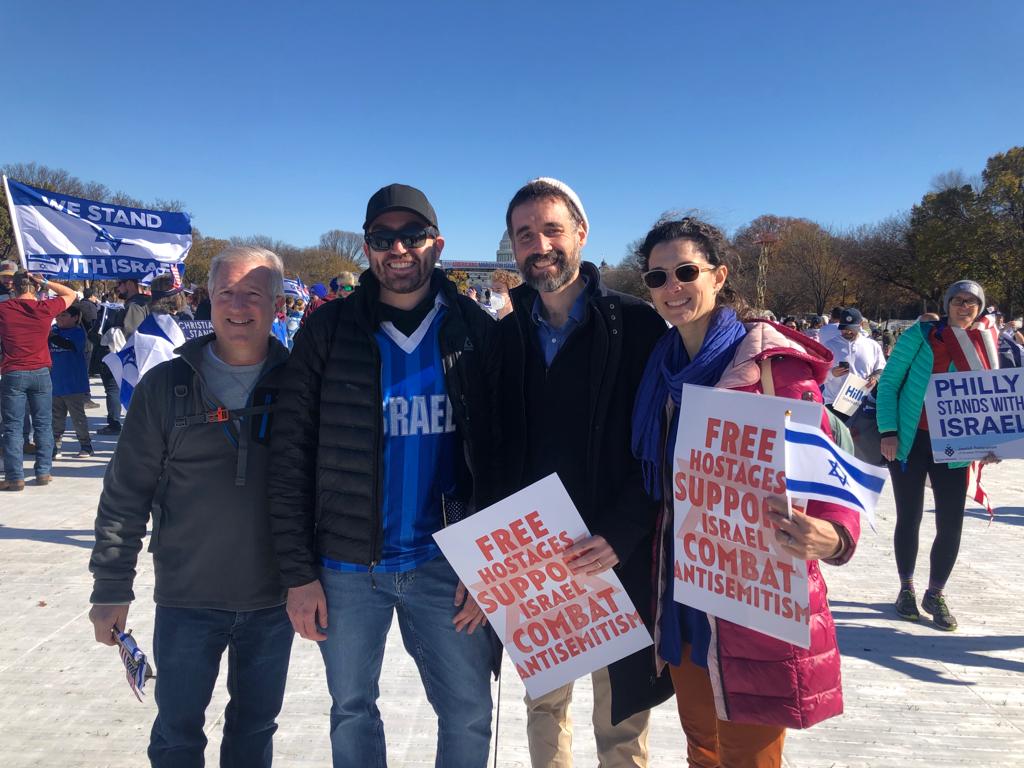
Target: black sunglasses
384,239
685,273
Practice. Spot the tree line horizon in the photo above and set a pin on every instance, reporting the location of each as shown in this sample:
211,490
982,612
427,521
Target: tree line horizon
964,227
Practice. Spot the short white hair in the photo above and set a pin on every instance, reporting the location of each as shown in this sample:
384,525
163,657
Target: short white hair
246,254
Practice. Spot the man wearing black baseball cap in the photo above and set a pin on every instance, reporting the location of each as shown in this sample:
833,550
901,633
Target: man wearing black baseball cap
852,352
385,436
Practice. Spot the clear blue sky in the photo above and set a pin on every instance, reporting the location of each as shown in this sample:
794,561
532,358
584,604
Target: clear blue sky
282,118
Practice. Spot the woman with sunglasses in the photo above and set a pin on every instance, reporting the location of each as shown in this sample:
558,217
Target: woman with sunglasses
958,341
737,690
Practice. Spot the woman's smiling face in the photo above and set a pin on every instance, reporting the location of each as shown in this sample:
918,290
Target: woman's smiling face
680,303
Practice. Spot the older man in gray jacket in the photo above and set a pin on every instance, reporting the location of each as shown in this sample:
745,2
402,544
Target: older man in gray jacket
194,450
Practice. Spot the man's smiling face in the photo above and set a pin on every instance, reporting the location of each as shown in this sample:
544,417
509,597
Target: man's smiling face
242,306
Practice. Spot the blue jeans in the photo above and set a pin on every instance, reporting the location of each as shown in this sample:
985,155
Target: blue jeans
24,392
454,666
187,648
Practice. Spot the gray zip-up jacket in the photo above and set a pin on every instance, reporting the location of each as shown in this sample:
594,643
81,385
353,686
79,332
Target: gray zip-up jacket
205,484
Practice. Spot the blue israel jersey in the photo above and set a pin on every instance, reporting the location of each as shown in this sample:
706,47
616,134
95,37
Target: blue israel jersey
420,444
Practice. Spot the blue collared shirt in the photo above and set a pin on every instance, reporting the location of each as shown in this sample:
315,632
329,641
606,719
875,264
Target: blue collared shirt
553,339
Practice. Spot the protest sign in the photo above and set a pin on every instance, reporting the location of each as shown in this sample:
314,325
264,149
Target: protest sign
70,237
555,625
193,329
852,393
974,413
729,459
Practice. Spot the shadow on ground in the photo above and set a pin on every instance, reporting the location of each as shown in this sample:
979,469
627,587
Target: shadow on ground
49,536
892,647
1004,515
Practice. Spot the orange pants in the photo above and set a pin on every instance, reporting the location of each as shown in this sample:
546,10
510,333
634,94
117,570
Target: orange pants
714,743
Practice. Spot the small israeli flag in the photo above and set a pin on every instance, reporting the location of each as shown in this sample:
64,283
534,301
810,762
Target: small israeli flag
817,469
153,342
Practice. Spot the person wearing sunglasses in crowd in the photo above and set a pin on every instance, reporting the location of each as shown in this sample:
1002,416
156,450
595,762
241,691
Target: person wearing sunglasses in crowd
573,351
955,342
343,285
385,435
737,690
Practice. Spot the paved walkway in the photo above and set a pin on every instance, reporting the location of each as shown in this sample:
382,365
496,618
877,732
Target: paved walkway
915,696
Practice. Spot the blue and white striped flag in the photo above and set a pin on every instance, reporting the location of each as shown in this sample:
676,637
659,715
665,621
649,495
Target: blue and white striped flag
817,469
295,288
81,239
153,342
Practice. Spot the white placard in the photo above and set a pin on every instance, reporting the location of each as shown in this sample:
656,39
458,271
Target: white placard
851,395
974,413
555,626
729,458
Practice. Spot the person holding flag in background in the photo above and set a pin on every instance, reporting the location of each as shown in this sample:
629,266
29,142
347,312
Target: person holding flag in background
25,385
961,340
727,720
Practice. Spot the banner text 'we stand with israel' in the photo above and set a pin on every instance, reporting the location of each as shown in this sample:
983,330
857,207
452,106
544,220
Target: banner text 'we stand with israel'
80,239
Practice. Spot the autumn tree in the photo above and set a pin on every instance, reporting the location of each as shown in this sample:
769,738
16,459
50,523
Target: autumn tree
348,246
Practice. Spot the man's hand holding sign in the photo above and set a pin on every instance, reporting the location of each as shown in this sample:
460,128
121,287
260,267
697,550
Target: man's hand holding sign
545,585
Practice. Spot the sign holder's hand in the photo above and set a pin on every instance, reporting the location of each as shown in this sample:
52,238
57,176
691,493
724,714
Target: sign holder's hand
307,608
107,621
591,556
803,536
471,616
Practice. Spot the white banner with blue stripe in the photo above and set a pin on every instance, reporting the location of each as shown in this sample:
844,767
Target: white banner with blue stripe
817,469
78,239
295,288
153,342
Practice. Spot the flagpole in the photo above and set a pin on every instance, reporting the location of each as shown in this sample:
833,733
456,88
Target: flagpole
14,225
789,501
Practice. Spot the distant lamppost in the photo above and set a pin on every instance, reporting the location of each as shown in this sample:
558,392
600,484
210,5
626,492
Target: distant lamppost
766,240
844,292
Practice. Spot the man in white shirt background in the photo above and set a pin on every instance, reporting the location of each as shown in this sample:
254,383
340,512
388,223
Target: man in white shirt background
852,352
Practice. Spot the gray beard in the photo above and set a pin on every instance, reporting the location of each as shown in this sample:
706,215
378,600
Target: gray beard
549,284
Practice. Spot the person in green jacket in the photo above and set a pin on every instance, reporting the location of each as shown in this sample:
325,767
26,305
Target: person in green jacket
926,348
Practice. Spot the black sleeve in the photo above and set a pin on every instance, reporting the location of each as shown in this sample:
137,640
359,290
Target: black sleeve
631,514
291,486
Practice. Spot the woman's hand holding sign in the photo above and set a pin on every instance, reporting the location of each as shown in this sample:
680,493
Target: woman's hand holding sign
591,556
807,538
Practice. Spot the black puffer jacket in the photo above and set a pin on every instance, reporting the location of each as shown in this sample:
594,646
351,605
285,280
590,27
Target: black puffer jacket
591,440
326,490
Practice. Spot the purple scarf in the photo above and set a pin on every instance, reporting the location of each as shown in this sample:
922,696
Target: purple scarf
668,368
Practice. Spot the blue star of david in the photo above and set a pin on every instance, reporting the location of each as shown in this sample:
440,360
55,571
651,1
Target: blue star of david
837,472
102,236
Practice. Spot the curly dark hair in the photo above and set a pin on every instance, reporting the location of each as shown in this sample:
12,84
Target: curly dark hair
709,240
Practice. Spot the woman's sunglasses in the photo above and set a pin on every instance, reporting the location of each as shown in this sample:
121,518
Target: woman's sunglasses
685,273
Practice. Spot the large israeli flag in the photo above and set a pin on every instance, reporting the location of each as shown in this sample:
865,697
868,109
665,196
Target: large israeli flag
817,469
79,239
153,342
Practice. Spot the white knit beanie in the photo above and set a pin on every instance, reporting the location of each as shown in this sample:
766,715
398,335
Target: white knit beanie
567,190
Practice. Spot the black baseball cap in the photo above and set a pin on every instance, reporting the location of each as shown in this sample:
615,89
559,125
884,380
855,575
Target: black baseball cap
399,197
850,318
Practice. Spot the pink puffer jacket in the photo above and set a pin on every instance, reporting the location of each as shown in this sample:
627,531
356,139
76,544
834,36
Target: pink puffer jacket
756,678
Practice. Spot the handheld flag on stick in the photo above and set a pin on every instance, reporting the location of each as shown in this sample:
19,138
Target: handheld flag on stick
817,469
136,668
